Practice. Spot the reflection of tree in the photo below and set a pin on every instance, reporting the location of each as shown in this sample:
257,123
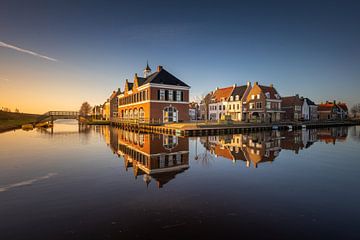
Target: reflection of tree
204,158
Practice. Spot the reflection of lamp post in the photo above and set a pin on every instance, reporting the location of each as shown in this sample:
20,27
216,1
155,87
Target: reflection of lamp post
196,155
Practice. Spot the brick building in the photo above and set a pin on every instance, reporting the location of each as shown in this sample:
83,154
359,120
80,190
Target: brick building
292,107
157,97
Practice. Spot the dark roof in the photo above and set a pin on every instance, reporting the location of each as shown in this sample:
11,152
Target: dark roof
309,102
141,80
164,77
130,86
239,90
291,101
271,90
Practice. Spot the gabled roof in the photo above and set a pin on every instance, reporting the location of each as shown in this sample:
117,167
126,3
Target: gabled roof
343,106
326,106
239,90
164,77
271,90
141,80
309,102
220,93
291,101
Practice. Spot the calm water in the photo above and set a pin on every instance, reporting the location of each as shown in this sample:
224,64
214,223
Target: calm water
106,183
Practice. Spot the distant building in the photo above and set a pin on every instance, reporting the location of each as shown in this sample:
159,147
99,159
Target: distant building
114,103
332,111
97,112
263,103
292,107
204,106
194,111
156,97
106,110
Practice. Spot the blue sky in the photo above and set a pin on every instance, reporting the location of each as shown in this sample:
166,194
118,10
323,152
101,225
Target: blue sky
306,47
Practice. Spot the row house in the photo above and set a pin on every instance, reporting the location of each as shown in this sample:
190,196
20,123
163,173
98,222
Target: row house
262,103
156,97
298,109
106,110
204,106
235,106
114,102
97,112
332,111
292,107
218,102
309,110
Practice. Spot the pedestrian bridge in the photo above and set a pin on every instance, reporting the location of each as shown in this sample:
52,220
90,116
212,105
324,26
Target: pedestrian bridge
51,116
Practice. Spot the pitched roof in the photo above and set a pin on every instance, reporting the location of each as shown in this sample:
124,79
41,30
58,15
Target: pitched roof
271,90
141,80
239,90
222,93
291,101
164,77
309,102
326,106
343,106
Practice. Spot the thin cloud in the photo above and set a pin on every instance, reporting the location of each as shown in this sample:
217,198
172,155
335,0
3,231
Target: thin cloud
4,79
5,45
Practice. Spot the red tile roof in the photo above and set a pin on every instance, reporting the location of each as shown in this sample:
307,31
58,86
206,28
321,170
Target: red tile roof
343,106
222,93
326,106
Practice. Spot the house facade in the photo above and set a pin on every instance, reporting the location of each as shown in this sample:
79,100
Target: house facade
262,104
204,106
309,110
235,106
292,107
106,110
332,111
194,111
218,103
114,102
157,97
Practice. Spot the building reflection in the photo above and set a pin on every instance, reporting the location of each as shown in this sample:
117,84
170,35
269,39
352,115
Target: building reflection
260,147
157,158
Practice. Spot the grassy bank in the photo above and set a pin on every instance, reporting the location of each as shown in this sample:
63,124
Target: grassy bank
9,121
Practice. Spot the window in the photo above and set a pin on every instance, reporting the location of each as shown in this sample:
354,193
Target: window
253,96
220,107
297,108
233,106
267,94
258,96
170,142
231,98
258,105
178,96
162,95
238,106
237,98
170,114
171,97
268,105
251,105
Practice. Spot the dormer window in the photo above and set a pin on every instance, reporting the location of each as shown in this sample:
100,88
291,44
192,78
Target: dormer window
253,97
267,94
231,98
277,96
258,96
237,98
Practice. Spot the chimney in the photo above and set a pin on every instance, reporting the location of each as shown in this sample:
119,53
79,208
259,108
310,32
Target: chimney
136,75
271,85
297,95
248,83
217,88
234,85
256,83
334,101
159,68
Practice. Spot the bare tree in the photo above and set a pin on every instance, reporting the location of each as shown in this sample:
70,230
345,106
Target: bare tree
85,109
355,110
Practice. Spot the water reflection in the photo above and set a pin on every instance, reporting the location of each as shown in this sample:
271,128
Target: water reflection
162,157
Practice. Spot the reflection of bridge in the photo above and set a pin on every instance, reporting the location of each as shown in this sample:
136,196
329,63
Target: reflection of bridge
54,115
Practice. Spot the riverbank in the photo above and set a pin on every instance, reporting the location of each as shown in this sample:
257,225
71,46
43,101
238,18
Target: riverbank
10,121
216,128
